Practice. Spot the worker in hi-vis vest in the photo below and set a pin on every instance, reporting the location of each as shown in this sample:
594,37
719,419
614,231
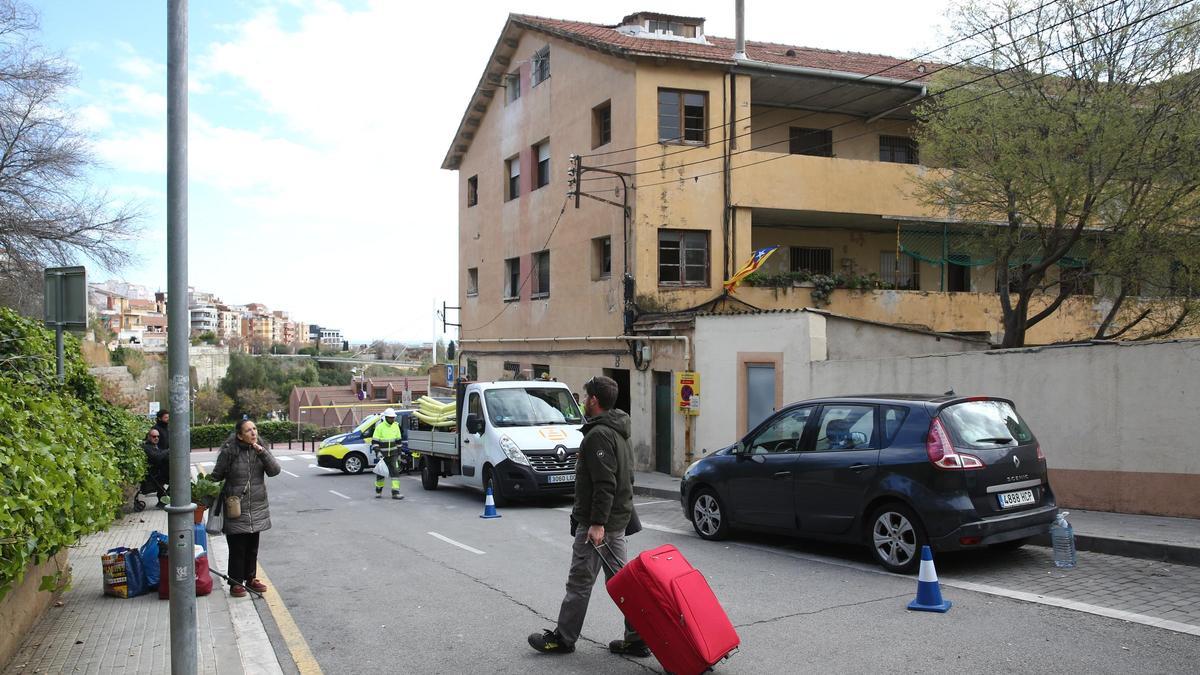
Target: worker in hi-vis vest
385,441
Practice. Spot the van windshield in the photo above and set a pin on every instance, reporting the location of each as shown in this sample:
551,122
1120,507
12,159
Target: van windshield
531,406
986,424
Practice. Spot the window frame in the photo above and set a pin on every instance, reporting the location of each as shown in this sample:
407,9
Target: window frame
681,115
539,66
802,443
512,187
512,279
602,124
873,439
794,255
472,282
894,144
797,134
681,264
540,262
890,275
541,167
512,87
601,267
472,191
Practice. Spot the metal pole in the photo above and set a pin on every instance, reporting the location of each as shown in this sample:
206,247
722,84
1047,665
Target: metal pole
58,346
740,42
182,566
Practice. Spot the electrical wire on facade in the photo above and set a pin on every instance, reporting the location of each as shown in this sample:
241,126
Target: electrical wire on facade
852,82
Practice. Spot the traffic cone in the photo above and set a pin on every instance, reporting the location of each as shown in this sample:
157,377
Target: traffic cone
929,592
489,506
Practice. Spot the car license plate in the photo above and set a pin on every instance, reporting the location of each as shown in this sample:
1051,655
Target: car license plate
1020,498
563,478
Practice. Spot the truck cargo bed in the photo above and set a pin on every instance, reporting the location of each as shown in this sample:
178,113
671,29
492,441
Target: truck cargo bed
442,443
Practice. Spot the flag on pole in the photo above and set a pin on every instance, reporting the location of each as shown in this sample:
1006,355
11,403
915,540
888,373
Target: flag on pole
756,262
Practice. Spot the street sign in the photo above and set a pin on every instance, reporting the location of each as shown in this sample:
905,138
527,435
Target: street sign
65,298
154,407
687,392
449,375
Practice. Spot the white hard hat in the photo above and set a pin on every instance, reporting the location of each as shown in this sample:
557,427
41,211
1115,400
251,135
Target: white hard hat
389,413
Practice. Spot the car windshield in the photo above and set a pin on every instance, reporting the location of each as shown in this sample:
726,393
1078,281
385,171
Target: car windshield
531,406
986,424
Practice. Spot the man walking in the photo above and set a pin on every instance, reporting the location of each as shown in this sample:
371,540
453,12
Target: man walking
385,440
603,505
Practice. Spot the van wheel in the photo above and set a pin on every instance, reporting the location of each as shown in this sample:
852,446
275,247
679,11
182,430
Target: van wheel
709,516
354,463
429,474
896,537
489,482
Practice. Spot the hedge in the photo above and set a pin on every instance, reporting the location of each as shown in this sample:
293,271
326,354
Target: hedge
65,453
214,435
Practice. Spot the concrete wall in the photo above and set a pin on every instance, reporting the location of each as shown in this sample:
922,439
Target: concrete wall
1116,421
211,364
848,339
24,605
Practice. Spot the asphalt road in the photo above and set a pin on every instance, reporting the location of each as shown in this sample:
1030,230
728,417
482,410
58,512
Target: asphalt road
424,585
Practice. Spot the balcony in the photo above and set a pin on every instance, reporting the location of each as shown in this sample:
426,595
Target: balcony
780,181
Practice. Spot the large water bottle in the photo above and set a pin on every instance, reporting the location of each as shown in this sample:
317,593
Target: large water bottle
1062,537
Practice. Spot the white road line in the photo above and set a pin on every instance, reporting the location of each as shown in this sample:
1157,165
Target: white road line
289,473
286,458
661,501
448,540
661,528
335,492
323,468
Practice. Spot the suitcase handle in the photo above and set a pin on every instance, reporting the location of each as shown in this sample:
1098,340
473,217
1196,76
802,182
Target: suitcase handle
604,561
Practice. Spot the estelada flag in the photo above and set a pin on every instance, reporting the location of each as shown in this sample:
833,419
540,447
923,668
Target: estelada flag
756,261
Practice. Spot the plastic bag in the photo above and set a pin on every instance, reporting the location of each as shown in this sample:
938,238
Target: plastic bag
380,469
149,555
123,573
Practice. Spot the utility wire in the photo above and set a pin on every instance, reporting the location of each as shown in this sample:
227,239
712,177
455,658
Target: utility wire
931,96
846,84
527,274
862,97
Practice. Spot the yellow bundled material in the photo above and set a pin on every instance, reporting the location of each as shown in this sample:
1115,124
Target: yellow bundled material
433,407
440,421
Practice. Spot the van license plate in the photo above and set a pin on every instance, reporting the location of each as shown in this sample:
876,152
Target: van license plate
563,478
1019,498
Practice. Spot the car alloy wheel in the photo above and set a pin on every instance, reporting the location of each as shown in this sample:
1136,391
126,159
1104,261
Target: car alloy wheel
896,540
707,516
352,464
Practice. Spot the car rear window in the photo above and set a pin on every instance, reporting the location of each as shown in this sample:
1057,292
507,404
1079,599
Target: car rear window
986,423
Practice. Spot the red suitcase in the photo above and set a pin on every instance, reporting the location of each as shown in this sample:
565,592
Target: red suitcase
670,605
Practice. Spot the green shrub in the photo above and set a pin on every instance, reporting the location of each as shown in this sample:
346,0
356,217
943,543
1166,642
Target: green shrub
213,435
65,453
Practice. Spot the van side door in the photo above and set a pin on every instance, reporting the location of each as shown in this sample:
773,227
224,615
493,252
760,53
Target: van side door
471,446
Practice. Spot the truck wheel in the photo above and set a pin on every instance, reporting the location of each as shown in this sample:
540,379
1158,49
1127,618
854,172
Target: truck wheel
489,481
429,475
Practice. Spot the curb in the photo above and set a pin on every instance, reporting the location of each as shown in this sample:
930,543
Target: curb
660,493
1131,548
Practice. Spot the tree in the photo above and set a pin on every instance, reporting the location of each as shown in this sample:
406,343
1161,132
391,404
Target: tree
211,406
49,215
1080,164
257,403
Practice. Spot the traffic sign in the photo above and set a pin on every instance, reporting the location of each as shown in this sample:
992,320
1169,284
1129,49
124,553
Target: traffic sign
687,392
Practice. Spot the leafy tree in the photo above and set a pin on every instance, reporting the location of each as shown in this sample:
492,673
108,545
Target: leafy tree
206,337
309,350
257,403
1081,163
52,216
211,406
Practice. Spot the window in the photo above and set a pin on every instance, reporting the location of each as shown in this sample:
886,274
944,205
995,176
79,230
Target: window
893,419
531,406
672,28
512,369
1076,279
812,260
782,434
682,117
1014,278
512,278
474,405
541,66
540,369
473,281
901,149
682,258
473,190
541,274
846,427
512,87
472,369
512,166
815,142
985,424
379,393
902,274
601,257
541,176
958,273
601,124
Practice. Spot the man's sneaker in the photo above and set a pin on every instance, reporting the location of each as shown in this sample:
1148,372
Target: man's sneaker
638,648
550,642
397,495
378,495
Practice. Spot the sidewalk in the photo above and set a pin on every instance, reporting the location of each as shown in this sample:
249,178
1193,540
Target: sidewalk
1174,540
94,633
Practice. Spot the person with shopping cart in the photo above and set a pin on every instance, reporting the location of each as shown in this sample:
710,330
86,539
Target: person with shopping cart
386,442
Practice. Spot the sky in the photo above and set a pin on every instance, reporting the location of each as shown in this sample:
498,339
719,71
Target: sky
317,131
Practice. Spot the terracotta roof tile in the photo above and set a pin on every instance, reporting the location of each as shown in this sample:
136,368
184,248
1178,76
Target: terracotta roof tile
720,50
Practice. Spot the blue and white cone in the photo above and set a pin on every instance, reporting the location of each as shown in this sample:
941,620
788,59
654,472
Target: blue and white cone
929,591
489,506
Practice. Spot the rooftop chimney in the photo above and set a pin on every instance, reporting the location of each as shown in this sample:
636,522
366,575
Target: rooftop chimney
739,52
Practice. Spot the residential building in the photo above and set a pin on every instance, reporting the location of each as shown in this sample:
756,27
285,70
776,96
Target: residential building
331,339
345,406
806,149
204,318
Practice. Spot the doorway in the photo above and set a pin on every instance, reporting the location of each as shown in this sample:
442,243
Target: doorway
621,377
662,422
760,393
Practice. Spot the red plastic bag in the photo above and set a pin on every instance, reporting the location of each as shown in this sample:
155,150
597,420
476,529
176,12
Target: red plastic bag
204,582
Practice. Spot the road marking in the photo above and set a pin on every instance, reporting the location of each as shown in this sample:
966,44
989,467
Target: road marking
303,657
314,466
662,528
289,473
448,540
335,492
661,501
285,458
